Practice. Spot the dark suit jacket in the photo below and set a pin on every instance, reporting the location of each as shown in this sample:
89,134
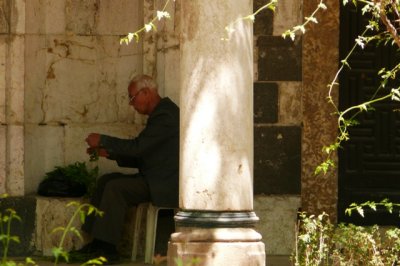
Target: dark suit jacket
155,152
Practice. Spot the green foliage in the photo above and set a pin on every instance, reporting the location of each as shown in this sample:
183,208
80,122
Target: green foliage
77,172
389,206
9,215
380,30
318,242
82,210
6,219
302,27
313,236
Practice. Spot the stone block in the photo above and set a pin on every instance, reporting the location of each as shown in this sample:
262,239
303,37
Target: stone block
290,103
52,213
35,79
279,59
75,145
44,149
15,93
5,14
287,15
15,160
45,16
3,77
263,25
171,77
114,72
278,217
25,208
118,17
80,16
79,79
17,21
265,102
96,69
70,87
277,159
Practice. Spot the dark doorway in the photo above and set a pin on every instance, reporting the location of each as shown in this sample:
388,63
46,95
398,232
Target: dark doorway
369,163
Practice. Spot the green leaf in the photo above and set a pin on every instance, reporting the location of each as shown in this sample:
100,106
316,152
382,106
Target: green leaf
15,239
28,260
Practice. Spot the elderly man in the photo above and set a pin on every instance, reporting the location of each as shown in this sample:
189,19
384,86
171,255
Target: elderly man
154,152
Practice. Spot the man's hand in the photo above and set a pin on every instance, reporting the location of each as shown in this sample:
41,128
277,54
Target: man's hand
93,140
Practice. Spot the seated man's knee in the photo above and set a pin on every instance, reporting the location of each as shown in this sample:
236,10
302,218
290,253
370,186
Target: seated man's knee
107,177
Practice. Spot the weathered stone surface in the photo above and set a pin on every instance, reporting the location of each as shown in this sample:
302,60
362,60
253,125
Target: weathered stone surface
25,208
4,16
320,48
78,82
265,102
15,91
44,149
45,16
216,82
233,253
278,217
3,82
290,103
277,158
81,16
15,184
17,18
118,17
279,59
168,53
287,15
170,77
52,213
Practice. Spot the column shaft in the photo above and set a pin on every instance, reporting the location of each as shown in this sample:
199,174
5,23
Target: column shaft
215,224
216,107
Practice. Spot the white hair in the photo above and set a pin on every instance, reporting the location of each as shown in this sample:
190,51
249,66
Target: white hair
144,81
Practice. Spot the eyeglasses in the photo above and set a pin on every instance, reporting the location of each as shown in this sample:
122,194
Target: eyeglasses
132,98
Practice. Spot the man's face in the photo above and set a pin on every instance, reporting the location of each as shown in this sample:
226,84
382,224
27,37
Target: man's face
138,98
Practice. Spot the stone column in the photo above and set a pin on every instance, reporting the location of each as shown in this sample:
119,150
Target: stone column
216,169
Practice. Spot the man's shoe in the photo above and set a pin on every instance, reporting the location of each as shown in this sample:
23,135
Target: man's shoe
112,256
84,254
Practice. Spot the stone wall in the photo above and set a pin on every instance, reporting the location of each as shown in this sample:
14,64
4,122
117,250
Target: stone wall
320,64
292,118
66,75
277,125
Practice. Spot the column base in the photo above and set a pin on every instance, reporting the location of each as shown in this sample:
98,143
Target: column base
221,246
